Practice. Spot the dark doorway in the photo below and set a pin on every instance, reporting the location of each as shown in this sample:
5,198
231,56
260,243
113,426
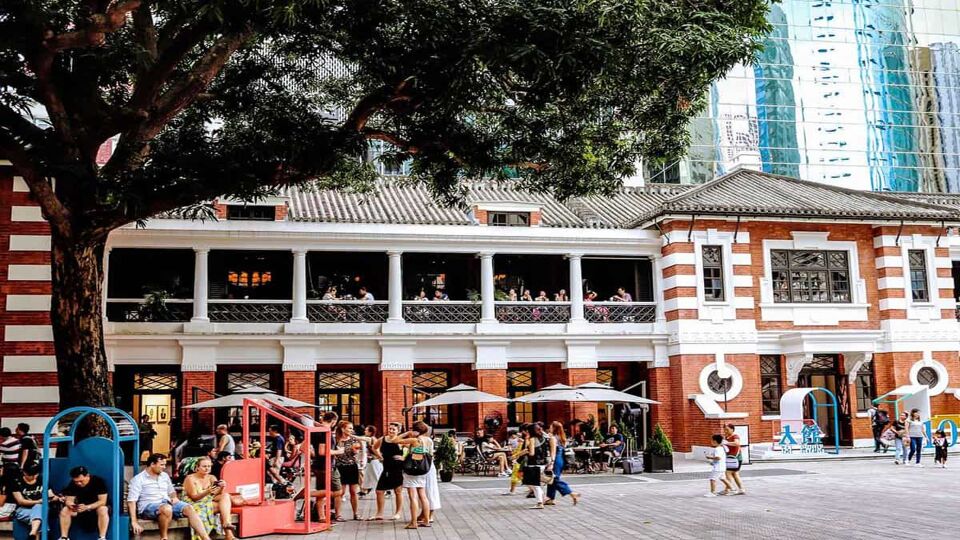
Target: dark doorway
254,275
347,272
825,372
548,273
153,391
605,275
456,275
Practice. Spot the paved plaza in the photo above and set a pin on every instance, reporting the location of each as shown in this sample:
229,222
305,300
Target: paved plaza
836,500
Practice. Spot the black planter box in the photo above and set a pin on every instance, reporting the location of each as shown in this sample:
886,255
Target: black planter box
652,463
446,476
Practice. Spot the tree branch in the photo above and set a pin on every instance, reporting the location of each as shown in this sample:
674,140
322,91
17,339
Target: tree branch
369,105
149,84
51,207
379,135
145,30
95,33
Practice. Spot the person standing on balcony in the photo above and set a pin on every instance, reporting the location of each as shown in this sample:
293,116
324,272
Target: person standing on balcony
561,296
331,293
512,295
421,296
440,296
621,296
542,297
526,297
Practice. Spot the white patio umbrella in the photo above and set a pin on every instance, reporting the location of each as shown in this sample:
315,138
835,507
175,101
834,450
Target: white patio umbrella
602,393
555,392
251,392
460,394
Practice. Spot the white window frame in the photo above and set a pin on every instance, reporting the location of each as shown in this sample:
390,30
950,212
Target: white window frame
808,314
929,310
715,309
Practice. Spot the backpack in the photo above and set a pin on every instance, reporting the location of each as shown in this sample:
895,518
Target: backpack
881,418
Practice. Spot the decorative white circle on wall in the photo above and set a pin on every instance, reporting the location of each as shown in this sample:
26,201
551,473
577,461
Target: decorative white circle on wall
930,373
713,385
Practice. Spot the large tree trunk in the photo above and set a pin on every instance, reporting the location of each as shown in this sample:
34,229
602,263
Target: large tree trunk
77,318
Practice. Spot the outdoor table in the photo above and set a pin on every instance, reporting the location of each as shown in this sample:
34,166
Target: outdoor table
585,456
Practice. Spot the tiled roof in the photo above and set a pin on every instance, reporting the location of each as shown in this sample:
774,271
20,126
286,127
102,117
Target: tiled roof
751,193
949,200
400,203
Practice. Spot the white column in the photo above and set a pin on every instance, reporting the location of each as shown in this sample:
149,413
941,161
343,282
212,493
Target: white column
200,279
487,311
395,287
658,288
299,287
576,288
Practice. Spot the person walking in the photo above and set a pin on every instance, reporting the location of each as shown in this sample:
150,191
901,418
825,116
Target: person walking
878,421
915,430
940,448
538,456
899,428
734,459
559,444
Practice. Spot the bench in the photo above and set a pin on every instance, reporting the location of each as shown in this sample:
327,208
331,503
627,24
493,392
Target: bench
179,529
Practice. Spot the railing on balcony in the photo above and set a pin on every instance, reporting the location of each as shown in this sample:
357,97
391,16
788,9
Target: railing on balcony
533,312
139,310
620,312
249,311
347,311
441,312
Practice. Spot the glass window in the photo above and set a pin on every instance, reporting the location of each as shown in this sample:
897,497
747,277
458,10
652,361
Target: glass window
605,376
340,392
155,381
810,277
250,213
928,376
770,388
520,382
238,380
427,383
918,275
508,219
866,387
717,384
712,273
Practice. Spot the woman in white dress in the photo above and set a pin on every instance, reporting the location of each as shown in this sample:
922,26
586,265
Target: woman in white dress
433,484
420,447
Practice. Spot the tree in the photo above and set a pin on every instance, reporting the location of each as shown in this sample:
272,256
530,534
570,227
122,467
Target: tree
205,98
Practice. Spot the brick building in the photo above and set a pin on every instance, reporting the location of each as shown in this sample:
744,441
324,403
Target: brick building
738,290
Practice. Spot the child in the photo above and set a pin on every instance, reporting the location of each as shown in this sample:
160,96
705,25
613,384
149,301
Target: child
940,448
718,463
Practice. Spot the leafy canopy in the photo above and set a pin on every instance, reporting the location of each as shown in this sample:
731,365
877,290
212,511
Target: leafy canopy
234,97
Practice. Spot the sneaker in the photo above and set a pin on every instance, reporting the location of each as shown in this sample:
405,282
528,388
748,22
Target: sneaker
711,494
741,492
920,465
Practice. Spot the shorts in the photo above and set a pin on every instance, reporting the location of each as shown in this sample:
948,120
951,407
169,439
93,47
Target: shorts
716,475
152,510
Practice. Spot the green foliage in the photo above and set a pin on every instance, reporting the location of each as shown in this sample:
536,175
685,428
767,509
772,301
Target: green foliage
659,444
445,454
154,306
219,97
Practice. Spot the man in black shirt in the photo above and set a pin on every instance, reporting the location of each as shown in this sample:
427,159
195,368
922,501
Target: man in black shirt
86,502
275,448
28,446
27,492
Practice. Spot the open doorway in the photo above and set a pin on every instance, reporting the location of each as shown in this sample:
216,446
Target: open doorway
824,372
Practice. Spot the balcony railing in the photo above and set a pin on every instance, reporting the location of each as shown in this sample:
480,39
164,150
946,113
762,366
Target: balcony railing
620,312
441,312
249,311
533,312
347,311
137,310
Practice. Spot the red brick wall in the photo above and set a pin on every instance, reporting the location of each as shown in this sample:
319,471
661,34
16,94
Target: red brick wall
280,212
493,381
392,392
301,385
201,379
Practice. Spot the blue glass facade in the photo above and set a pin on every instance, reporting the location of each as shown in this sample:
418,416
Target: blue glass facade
858,93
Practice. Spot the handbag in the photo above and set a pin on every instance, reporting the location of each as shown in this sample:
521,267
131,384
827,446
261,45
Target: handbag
547,477
531,475
412,466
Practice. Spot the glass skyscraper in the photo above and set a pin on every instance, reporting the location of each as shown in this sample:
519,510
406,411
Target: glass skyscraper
863,94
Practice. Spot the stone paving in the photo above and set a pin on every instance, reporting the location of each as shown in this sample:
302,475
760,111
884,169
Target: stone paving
835,500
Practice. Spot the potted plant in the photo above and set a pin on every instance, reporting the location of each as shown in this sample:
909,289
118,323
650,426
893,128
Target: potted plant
154,307
445,457
658,456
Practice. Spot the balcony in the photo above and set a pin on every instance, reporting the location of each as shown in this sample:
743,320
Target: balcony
144,311
620,312
533,312
335,288
347,311
249,311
